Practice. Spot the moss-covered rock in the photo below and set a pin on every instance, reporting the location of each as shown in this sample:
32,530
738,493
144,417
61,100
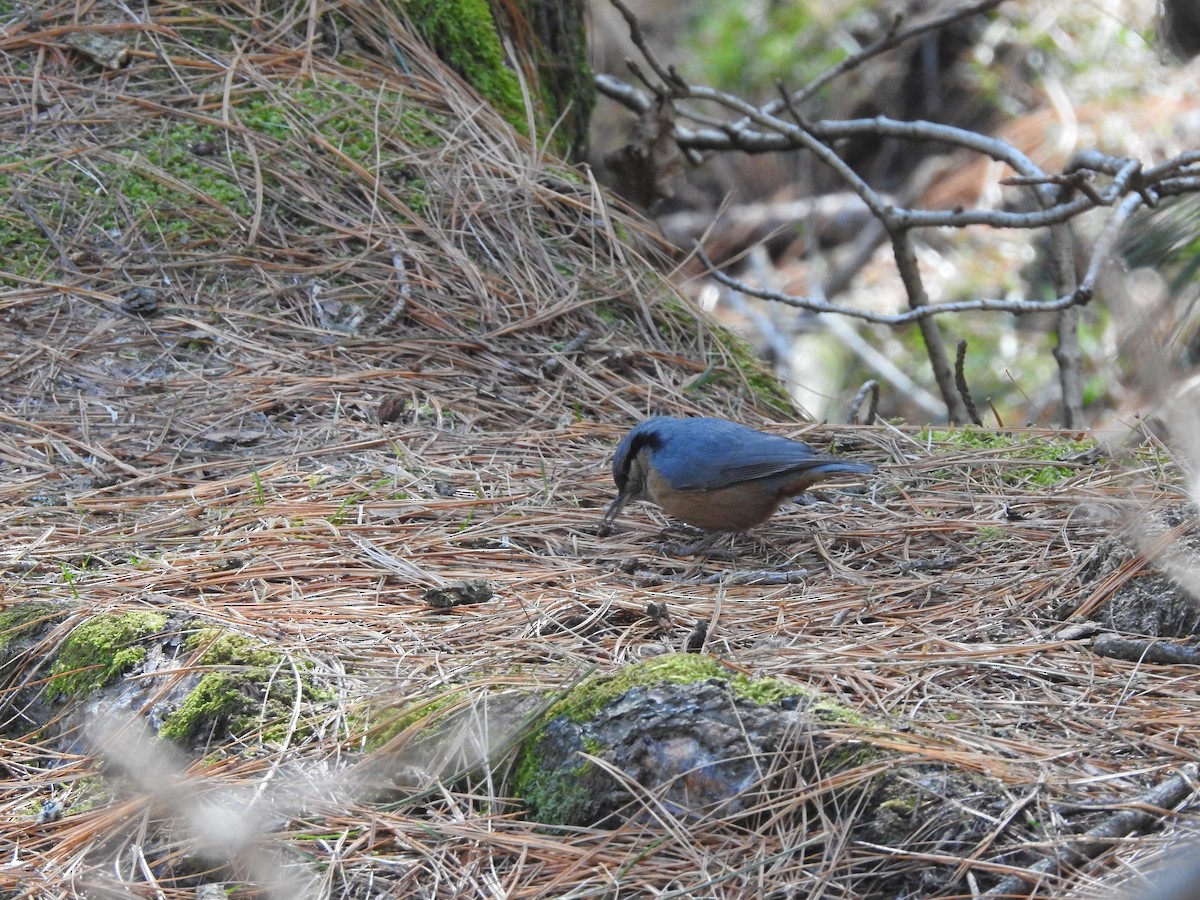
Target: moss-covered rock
250,690
684,727
99,650
24,621
197,684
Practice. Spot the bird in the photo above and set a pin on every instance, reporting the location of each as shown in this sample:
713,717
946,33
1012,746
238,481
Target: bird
714,474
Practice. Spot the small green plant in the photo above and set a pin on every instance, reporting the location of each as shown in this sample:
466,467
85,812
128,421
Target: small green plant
339,515
69,579
988,533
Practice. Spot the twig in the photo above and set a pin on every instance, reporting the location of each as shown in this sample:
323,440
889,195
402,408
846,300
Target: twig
553,364
894,37
1067,352
761,577
960,381
935,347
1082,181
759,130
870,388
1157,652
1079,297
403,292
882,366
1152,805
898,222
669,76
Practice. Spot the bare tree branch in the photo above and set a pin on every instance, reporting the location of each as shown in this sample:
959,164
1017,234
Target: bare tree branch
870,389
1080,296
1092,180
894,37
935,347
672,84
960,381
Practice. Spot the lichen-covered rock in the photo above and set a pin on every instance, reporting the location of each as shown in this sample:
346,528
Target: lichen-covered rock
688,732
683,737
196,685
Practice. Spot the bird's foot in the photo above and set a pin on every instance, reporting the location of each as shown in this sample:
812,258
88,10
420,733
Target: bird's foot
695,548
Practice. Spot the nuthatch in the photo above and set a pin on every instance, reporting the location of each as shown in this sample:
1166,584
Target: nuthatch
714,474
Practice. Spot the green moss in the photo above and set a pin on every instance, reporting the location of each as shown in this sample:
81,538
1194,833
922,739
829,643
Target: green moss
100,650
594,694
217,701
987,533
185,194
550,41
587,698
1033,446
763,690
334,109
155,172
1039,450
749,365
398,721
24,245
559,62
555,795
227,648
232,699
17,621
901,806
736,360
464,34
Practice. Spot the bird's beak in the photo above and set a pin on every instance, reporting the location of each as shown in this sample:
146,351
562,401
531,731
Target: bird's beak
615,507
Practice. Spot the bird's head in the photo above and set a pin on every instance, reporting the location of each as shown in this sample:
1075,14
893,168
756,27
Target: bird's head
631,463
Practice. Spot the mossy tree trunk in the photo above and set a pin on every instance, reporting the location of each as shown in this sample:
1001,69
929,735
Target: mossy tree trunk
488,41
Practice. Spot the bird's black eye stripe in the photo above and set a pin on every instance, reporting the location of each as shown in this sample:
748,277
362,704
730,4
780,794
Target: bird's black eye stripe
651,440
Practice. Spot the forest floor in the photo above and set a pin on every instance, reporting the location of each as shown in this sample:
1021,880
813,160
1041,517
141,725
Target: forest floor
287,403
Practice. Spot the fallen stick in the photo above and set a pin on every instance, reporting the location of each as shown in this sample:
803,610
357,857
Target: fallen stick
1149,807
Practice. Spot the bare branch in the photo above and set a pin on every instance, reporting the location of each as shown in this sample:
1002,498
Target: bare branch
1066,352
869,389
1092,180
1076,298
935,347
672,83
1139,814
1082,181
960,381
625,94
1173,166
1173,187
893,38
1102,249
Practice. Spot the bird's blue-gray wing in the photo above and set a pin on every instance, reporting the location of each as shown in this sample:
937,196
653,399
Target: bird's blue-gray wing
708,454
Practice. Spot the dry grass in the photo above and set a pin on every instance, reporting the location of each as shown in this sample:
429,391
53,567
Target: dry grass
219,453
